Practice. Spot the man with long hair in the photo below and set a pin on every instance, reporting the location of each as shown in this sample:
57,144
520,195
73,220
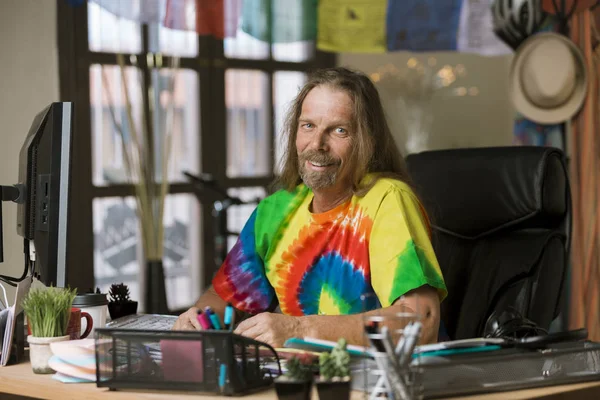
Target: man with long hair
345,235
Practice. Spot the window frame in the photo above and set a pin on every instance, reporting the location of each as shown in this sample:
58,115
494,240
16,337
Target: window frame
210,64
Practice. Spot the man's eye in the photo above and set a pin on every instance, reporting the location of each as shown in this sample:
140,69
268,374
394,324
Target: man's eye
308,125
341,130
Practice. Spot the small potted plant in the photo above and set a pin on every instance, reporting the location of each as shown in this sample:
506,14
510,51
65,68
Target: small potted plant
334,373
48,311
296,383
120,304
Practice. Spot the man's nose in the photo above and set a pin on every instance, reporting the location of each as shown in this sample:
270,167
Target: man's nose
320,141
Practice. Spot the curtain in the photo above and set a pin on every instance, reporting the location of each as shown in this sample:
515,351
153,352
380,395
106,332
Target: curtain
584,149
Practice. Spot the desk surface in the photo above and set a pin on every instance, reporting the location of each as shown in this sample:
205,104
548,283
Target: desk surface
20,380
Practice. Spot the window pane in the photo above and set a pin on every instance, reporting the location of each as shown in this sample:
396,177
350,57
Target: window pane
238,215
248,127
181,86
109,33
294,52
118,250
245,46
286,85
117,244
176,100
180,43
107,144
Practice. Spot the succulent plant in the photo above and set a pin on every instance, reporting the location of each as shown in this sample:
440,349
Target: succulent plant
119,293
299,368
336,363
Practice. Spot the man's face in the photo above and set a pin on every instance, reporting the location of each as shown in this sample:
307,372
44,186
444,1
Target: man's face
324,138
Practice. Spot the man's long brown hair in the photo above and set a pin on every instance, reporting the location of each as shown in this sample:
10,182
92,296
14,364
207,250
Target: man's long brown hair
373,147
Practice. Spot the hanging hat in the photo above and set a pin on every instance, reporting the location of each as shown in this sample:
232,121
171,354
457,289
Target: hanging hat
548,79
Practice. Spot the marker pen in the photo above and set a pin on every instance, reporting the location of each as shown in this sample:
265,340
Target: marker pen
203,320
229,317
214,319
372,329
222,377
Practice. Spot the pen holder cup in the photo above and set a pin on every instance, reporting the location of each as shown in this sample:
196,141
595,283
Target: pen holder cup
391,338
217,362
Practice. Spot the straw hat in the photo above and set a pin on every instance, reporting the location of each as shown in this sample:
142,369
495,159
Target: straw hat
548,79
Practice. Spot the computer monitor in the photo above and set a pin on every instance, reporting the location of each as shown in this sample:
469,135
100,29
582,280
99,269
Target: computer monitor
42,193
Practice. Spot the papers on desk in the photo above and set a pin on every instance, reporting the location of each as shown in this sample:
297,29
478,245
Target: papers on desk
8,318
459,344
319,345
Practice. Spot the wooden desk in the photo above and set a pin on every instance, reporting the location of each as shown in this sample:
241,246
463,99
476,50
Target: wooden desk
20,380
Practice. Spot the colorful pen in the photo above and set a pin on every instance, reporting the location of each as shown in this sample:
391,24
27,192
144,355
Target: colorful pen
222,377
214,319
372,328
203,320
229,317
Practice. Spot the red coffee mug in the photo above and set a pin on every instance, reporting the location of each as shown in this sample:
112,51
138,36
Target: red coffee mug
74,327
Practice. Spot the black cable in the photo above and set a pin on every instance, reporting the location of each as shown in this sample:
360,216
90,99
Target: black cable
6,278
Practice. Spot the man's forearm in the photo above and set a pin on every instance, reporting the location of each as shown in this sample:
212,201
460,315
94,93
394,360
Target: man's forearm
351,327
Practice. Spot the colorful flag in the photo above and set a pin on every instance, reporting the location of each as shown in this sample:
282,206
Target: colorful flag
423,25
476,30
352,26
210,18
143,12
233,11
180,15
290,20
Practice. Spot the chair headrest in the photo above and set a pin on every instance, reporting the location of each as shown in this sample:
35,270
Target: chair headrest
474,192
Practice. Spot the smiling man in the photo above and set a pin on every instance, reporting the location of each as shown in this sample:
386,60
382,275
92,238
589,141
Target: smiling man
346,223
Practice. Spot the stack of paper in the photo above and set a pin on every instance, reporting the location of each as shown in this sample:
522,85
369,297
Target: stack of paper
8,317
74,361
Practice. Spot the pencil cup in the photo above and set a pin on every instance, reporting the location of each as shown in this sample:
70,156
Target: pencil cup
391,337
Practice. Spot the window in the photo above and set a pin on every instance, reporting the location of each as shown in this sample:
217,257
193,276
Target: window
229,99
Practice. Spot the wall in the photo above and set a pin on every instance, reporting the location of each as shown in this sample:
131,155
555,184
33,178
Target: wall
458,121
28,83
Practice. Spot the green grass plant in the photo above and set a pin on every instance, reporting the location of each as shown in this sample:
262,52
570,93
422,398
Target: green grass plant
48,310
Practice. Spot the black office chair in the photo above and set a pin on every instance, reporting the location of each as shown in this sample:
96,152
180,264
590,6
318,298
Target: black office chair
501,220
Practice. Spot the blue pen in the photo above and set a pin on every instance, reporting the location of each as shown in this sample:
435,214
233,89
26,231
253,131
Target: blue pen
213,318
216,323
222,377
228,319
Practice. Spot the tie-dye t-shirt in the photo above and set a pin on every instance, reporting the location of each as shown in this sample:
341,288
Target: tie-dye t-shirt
308,263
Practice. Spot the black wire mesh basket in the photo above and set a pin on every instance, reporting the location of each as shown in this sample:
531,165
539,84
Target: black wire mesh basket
207,361
510,369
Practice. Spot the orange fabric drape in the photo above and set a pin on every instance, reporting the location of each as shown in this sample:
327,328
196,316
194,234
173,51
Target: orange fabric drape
584,146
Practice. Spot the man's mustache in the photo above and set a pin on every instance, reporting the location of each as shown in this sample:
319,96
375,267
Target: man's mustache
318,157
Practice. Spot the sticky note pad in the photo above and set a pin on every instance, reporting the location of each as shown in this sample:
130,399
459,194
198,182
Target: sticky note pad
182,360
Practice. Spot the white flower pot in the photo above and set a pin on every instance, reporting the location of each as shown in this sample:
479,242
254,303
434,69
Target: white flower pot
40,352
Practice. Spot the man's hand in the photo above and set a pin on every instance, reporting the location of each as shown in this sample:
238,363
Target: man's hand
188,321
273,329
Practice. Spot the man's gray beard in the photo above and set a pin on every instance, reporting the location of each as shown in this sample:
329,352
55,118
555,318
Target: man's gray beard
317,180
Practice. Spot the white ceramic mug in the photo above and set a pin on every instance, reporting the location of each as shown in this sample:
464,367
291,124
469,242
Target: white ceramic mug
95,304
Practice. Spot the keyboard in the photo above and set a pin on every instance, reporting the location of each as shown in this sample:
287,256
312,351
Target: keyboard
147,322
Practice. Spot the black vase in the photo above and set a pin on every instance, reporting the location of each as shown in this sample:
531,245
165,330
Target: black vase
156,294
118,310
293,390
338,390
